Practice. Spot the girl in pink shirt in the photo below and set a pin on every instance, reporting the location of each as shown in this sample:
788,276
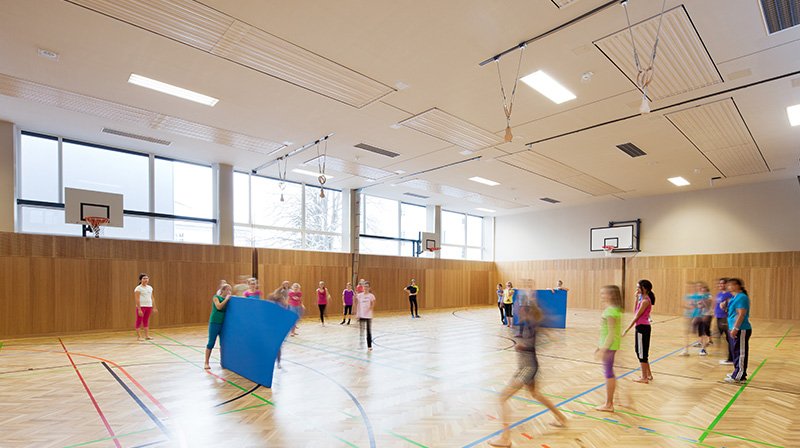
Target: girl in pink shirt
322,301
645,299
252,289
296,304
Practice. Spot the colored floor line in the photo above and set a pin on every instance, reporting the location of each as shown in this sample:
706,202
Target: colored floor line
138,401
730,403
105,439
392,433
232,383
91,396
776,345
588,391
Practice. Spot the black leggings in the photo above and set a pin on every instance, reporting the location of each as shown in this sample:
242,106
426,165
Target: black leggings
412,303
366,324
722,326
322,313
509,312
642,343
348,309
502,312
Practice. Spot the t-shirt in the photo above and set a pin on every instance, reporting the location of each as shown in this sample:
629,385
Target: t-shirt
255,294
413,289
708,305
508,296
295,298
347,295
740,301
145,295
644,319
322,296
616,313
722,297
217,316
365,303
499,295
695,305
359,288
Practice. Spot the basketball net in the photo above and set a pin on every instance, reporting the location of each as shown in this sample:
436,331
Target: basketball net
95,223
608,250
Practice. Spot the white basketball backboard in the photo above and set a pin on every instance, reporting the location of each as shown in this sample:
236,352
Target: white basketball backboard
79,204
620,237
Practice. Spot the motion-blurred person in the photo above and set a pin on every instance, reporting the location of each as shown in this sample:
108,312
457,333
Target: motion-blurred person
240,287
610,336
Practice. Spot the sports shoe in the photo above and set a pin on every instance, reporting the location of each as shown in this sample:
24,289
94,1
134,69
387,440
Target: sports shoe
697,344
732,380
726,362
417,316
703,352
685,353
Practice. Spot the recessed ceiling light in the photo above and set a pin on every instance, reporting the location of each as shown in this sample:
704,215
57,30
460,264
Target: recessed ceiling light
395,126
794,114
549,87
399,172
310,173
487,210
466,152
679,181
481,180
169,89
49,54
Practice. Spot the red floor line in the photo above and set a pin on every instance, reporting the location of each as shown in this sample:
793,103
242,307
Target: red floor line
91,397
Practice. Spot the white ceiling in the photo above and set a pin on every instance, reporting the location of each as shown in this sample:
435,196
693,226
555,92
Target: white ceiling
429,54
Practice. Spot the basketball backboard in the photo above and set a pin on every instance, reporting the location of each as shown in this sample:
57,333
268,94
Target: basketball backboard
622,237
78,204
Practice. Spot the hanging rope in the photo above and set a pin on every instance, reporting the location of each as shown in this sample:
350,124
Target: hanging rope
644,75
508,103
322,160
282,175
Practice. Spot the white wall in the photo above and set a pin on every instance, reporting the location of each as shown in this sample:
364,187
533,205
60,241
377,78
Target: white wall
759,217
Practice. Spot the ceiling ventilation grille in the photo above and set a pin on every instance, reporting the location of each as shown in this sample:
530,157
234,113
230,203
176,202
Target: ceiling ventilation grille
348,167
631,150
683,63
438,123
550,200
144,138
780,14
720,133
51,96
558,172
376,150
202,27
418,196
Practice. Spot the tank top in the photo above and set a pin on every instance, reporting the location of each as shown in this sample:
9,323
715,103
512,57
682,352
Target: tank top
322,296
644,319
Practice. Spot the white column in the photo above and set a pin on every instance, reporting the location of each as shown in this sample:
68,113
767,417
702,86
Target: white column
434,224
488,238
224,200
347,220
7,177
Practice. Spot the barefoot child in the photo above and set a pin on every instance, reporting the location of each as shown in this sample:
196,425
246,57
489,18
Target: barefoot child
296,304
526,374
145,305
610,327
218,304
347,303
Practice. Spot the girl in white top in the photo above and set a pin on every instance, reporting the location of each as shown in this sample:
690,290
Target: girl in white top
365,303
145,305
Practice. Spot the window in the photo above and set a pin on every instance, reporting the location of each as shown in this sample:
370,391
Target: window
396,223
412,220
302,220
462,236
183,192
380,216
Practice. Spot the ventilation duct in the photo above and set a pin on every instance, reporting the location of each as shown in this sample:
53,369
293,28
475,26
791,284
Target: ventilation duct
418,196
376,150
780,14
143,138
631,150
550,200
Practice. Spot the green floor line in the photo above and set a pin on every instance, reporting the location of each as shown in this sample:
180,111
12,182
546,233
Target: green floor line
407,440
244,409
776,345
105,439
730,403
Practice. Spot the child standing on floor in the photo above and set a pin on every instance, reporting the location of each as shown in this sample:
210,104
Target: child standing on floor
218,304
252,289
347,303
296,304
366,303
508,303
610,329
500,295
531,314
322,301
145,305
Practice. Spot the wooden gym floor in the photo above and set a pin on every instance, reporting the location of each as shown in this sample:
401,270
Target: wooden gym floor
430,382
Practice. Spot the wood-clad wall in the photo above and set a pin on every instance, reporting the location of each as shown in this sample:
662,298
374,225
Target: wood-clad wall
771,278
583,277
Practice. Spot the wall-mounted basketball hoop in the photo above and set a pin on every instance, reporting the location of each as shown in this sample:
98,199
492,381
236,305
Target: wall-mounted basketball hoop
95,224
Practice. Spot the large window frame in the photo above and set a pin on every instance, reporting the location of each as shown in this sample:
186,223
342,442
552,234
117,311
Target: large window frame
303,228
150,213
403,244
465,246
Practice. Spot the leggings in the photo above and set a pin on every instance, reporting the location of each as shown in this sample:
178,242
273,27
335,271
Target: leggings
412,303
509,312
502,312
642,343
722,326
348,310
365,323
608,363
213,331
144,319
322,312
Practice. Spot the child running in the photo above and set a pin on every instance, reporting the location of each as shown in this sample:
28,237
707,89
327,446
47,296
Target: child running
145,305
296,304
322,301
252,289
347,303
366,303
609,340
525,375
218,304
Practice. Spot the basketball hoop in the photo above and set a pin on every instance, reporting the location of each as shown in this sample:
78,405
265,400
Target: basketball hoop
608,250
433,249
95,223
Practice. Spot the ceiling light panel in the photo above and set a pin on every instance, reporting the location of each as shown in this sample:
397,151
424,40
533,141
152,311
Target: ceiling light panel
431,187
793,112
718,130
682,64
679,181
438,123
487,210
348,167
310,173
197,25
558,172
169,89
51,96
481,180
549,87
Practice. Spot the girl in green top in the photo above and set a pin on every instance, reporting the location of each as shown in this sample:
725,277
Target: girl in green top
610,329
218,304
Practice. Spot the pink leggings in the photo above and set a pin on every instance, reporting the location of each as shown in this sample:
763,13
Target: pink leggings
144,319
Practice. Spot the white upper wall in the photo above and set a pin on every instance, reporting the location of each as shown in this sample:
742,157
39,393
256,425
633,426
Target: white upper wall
760,217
